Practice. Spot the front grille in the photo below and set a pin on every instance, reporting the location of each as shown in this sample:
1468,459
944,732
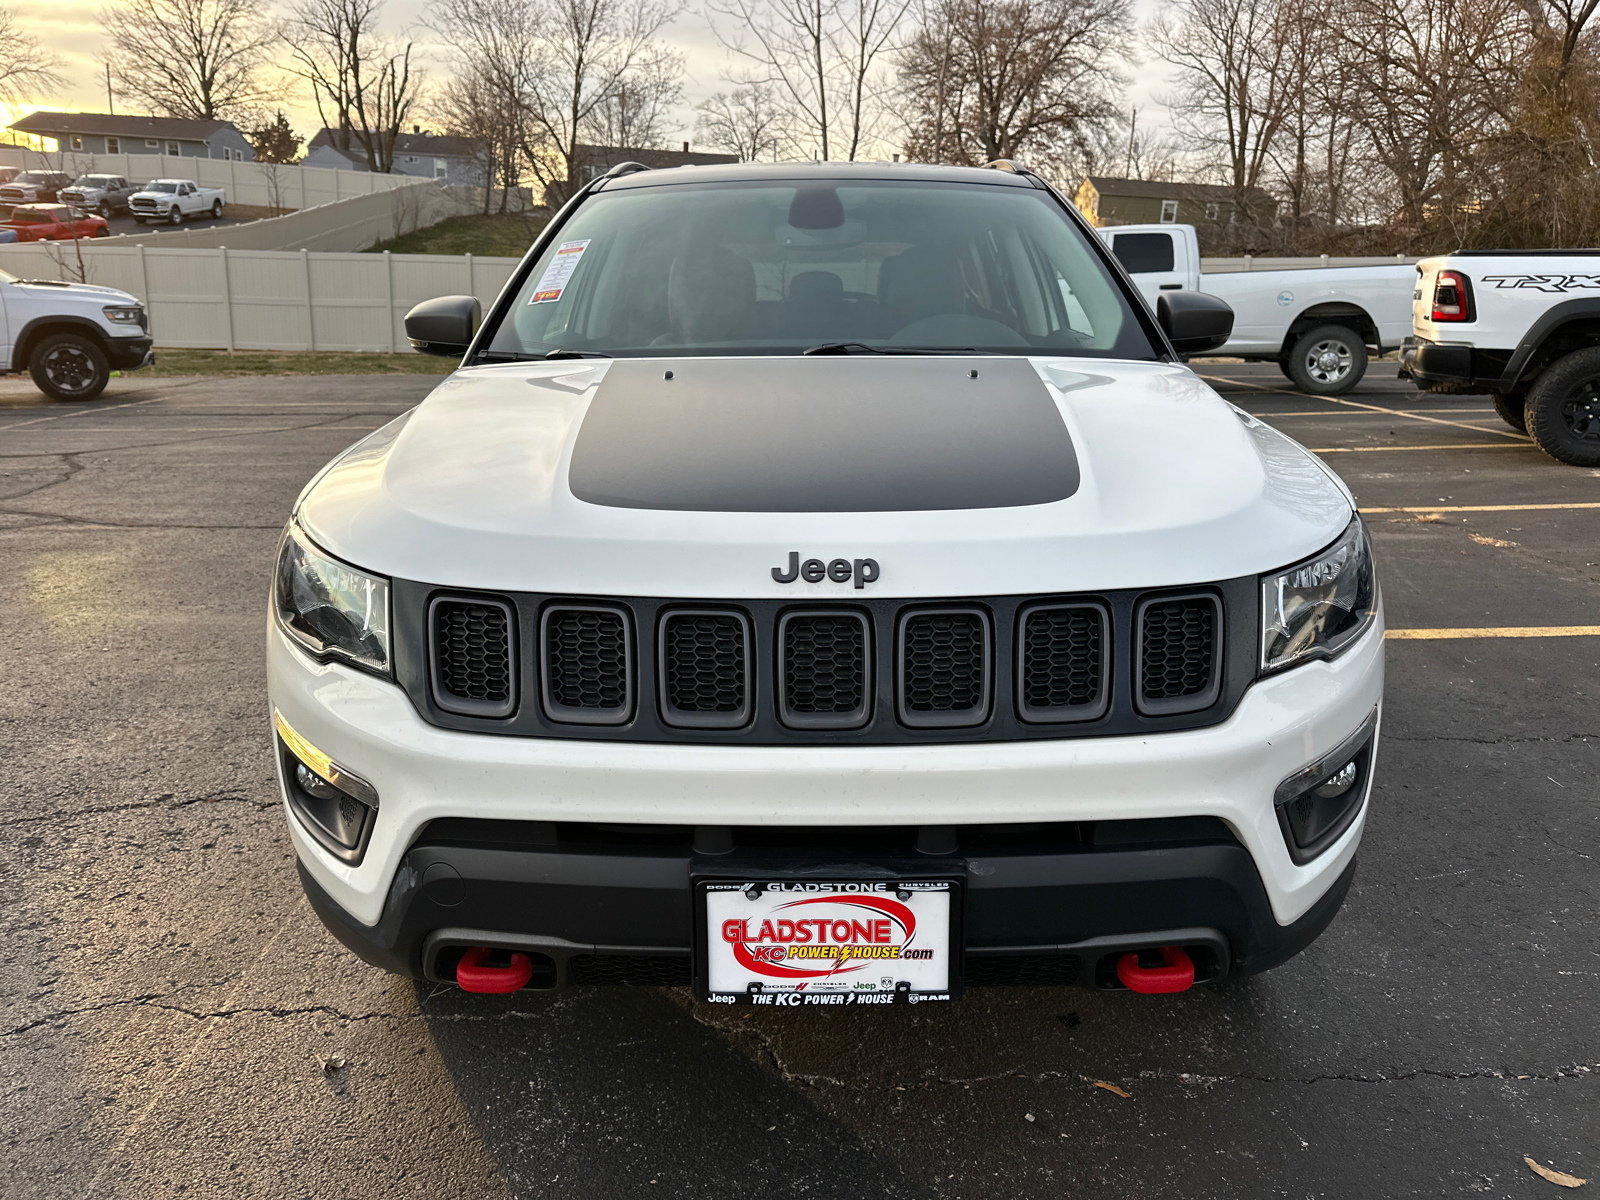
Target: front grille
1022,970
636,970
943,661
824,673
1063,667
587,664
1180,653
471,656
705,669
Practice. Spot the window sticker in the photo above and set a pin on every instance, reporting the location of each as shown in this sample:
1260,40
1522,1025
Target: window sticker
556,275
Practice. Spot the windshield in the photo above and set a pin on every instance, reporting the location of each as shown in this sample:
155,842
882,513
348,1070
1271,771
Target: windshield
779,268
94,181
31,177
31,216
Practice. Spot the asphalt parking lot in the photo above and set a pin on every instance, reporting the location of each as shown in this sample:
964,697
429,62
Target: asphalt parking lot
174,1020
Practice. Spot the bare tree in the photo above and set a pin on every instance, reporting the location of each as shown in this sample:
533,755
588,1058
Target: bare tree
823,61
364,85
744,122
1008,79
471,107
25,66
189,58
635,113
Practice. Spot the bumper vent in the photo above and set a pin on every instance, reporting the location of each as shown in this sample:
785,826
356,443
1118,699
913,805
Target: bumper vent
824,681
1022,970
1063,668
587,664
943,664
705,670
470,656
1179,653
636,970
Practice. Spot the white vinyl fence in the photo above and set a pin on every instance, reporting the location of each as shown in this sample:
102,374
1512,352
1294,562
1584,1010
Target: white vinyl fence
227,299
265,184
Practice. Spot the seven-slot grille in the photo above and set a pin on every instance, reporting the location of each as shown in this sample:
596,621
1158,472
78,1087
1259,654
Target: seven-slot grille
471,657
943,666
1062,659
1180,653
1063,670
586,664
824,670
705,669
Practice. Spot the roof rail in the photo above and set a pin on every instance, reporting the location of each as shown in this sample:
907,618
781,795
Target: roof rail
1005,164
627,168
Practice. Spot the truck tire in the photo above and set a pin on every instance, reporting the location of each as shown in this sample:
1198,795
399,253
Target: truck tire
175,215
216,209
105,209
67,366
1283,365
1564,409
1513,410
1328,360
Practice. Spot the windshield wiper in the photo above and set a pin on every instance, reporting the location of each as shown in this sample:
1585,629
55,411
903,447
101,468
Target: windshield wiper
560,353
863,348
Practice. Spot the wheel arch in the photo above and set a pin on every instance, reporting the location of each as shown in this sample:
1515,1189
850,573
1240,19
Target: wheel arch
42,327
1331,312
1565,327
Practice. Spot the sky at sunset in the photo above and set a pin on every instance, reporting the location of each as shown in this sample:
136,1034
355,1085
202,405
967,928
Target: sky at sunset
71,30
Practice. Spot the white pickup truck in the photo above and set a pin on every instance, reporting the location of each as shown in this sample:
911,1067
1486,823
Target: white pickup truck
172,200
1522,326
1316,323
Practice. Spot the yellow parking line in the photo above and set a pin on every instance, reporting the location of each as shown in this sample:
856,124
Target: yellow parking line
1503,631
1391,412
1444,508
1447,446
1307,412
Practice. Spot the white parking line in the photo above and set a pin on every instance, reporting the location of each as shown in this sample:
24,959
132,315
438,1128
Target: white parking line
1444,508
1499,631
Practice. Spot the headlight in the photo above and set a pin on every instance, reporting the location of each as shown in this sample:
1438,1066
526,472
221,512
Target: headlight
1318,607
124,316
331,609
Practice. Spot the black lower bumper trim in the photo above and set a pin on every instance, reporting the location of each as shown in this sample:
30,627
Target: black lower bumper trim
622,914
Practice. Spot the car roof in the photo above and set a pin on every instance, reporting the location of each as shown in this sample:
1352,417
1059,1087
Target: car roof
833,171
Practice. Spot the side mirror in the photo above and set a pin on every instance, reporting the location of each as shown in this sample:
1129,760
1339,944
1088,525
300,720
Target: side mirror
445,325
1193,321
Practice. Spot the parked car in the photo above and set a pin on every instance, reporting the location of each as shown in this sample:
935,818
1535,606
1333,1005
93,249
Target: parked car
1316,323
172,200
104,194
31,187
70,336
824,584
7,174
54,223
1522,326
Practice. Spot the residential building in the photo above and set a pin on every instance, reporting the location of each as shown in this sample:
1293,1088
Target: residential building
588,162
1109,200
107,133
449,159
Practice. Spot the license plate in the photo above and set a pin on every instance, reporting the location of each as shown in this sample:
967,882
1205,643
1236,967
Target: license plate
848,943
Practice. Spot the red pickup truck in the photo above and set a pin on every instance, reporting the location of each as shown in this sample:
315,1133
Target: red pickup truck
51,223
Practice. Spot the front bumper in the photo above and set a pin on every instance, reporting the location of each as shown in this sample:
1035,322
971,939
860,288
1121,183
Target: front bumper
127,354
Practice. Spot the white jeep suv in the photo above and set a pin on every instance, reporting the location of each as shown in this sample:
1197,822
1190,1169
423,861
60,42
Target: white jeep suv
824,584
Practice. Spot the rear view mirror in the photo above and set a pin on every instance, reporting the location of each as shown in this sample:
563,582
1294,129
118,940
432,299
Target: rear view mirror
1193,321
444,325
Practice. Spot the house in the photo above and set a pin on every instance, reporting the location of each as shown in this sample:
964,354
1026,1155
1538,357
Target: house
449,159
588,162
107,133
1109,200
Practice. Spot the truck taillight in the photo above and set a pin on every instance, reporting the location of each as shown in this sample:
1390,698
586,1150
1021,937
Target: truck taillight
1452,297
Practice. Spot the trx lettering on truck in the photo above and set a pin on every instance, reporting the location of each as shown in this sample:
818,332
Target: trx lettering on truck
1545,283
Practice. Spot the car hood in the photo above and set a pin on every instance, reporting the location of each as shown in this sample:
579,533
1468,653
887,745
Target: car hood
696,477
49,292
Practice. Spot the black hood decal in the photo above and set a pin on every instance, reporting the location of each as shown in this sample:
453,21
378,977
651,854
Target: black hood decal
836,434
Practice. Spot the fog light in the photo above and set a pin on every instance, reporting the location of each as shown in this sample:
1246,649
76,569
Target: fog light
1340,783
1319,802
335,806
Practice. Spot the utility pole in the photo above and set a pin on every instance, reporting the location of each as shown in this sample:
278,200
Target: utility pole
1133,125
109,109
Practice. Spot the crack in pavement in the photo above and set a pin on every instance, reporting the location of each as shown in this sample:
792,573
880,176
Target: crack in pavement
166,801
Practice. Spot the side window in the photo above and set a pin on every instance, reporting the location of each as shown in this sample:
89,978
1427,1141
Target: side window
1144,253
174,149
1169,211
113,145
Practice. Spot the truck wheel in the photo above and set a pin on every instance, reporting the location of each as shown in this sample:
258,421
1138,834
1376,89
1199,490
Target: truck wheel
66,366
105,209
1283,365
1328,360
1564,409
216,209
1513,410
175,216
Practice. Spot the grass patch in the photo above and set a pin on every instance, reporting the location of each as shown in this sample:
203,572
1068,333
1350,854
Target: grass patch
503,235
290,362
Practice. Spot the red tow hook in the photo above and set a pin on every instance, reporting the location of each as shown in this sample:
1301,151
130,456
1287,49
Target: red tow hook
1176,976
474,974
